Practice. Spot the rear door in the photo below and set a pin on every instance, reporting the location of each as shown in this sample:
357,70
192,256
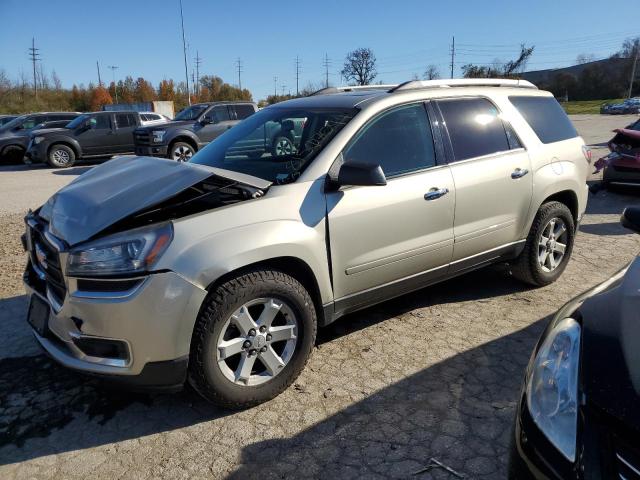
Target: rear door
97,140
492,176
382,234
125,124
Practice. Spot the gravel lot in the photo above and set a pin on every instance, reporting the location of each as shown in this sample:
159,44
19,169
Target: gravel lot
433,374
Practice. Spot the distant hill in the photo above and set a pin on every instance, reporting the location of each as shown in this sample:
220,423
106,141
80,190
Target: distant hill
613,65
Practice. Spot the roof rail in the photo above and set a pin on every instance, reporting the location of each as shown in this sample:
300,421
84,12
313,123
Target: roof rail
352,88
463,82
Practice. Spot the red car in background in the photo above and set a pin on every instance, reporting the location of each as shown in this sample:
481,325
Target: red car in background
622,166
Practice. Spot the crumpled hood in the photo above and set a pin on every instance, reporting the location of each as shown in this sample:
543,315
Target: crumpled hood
45,131
611,348
121,187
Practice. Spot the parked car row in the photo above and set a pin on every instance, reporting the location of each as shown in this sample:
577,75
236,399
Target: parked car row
629,106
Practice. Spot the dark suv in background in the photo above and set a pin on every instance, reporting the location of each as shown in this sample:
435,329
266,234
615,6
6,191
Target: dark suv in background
192,129
97,134
14,135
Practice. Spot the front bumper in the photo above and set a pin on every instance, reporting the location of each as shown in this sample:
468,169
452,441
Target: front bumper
151,150
37,153
154,319
623,176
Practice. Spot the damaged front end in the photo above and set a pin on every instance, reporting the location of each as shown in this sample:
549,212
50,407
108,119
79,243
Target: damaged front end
621,166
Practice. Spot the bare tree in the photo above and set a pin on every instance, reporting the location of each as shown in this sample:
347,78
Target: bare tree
516,66
360,66
57,84
585,58
431,73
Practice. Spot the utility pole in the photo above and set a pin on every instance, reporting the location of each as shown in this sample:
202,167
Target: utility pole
633,72
325,63
113,69
297,76
275,86
453,54
283,86
198,61
99,79
35,56
184,51
239,67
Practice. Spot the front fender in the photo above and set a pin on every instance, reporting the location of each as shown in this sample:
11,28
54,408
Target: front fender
213,256
72,142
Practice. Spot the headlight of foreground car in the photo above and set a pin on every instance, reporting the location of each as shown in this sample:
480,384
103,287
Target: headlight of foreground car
552,392
134,251
37,140
158,135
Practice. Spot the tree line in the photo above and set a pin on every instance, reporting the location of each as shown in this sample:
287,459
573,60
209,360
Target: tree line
19,96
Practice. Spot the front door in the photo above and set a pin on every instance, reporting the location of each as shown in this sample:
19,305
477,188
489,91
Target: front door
216,121
492,175
96,135
382,234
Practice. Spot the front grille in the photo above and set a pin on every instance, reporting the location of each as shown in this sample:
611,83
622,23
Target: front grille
45,257
627,461
141,138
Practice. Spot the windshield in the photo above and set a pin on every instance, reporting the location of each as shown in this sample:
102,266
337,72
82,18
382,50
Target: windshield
76,122
275,144
191,113
16,122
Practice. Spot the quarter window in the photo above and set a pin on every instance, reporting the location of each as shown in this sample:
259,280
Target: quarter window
546,117
474,127
400,141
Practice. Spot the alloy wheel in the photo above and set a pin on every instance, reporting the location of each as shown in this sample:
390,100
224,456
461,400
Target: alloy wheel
283,147
182,154
257,341
552,244
60,157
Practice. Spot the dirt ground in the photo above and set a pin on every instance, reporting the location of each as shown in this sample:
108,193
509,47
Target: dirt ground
433,374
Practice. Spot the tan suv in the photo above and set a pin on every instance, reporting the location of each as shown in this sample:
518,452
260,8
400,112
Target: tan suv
219,270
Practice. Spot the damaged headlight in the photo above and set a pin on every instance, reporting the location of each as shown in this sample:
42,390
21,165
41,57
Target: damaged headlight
552,392
158,135
134,251
37,140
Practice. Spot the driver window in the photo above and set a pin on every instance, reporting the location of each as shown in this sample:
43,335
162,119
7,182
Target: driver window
100,122
399,140
220,114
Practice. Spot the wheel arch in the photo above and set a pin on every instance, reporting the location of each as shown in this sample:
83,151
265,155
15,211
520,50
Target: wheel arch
293,266
566,197
183,137
67,143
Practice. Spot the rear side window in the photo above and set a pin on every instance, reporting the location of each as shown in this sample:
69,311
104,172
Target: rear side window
243,111
475,127
546,117
399,140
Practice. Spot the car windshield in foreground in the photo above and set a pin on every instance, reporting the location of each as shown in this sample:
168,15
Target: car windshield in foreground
275,144
191,113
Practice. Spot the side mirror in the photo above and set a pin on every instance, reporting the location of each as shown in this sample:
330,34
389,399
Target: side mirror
631,218
360,173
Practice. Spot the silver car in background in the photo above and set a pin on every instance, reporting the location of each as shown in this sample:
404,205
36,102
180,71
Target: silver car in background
220,270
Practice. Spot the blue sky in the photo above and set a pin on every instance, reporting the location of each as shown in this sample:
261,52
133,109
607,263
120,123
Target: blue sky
143,38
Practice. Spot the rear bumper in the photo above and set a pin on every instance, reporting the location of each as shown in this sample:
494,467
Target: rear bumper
151,150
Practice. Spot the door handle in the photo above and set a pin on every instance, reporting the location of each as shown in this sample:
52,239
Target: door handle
519,173
435,193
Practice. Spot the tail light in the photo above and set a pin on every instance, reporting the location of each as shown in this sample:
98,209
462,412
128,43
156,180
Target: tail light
586,151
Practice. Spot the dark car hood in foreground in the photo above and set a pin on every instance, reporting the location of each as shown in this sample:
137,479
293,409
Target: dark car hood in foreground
611,348
121,187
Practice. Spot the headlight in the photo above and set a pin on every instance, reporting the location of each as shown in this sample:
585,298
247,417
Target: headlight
37,140
134,251
158,135
552,393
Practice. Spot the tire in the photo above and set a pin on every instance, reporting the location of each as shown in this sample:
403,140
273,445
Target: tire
223,321
282,146
61,156
12,155
528,267
181,152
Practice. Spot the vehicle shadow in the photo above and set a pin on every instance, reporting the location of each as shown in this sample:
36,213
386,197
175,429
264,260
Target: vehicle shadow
40,400
458,411
608,229
607,202
73,170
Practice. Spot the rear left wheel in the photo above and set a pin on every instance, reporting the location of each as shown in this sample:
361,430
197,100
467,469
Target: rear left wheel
252,339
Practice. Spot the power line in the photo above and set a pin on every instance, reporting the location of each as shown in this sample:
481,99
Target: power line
239,67
326,63
35,56
297,75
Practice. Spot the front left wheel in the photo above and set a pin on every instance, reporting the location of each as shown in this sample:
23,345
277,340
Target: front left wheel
61,156
252,339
